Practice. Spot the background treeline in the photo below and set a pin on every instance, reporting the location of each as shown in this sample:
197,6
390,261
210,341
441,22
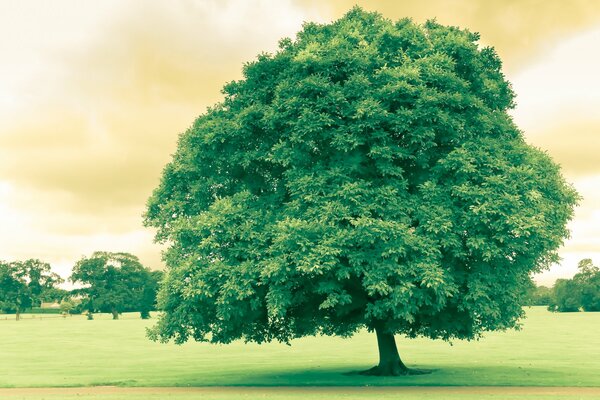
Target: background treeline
117,282
108,282
581,293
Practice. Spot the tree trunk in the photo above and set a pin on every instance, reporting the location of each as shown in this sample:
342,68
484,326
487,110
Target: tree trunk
115,314
17,314
389,359
390,363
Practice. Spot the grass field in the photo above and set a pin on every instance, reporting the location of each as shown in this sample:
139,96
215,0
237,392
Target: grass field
551,350
310,393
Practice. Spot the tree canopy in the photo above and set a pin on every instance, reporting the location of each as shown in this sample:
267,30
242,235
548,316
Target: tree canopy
114,282
367,174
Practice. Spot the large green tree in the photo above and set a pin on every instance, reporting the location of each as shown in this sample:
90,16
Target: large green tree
113,282
367,174
23,284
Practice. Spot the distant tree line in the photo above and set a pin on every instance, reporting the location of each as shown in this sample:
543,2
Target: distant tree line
117,282
110,282
580,293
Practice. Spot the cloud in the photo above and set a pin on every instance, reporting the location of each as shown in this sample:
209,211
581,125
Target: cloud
104,131
558,96
91,111
93,97
574,144
557,101
585,232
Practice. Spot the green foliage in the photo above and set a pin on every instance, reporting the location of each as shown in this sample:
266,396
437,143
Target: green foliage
115,282
149,293
367,173
53,294
580,293
71,306
566,296
24,283
540,296
588,279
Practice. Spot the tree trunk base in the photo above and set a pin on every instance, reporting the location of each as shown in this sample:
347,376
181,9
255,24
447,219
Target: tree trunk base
394,369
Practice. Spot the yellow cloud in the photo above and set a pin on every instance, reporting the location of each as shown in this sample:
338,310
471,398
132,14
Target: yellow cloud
90,113
89,123
573,144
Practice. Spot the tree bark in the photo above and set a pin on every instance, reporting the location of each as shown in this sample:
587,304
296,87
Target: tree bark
390,363
18,314
115,314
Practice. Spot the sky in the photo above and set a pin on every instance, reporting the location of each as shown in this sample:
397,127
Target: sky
93,96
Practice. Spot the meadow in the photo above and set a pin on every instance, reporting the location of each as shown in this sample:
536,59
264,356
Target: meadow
552,349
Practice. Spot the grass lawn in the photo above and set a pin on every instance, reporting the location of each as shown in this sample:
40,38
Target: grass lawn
550,350
295,394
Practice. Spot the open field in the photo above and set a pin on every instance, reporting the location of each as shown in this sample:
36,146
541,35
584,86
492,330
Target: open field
551,350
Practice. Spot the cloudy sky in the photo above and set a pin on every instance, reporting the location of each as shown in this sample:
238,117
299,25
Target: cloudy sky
93,95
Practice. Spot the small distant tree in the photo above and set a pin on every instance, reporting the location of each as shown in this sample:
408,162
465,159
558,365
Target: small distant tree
149,293
10,288
23,283
588,278
588,281
580,293
114,282
566,296
69,305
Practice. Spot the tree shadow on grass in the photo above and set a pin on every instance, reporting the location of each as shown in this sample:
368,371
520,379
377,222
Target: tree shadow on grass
339,376
346,376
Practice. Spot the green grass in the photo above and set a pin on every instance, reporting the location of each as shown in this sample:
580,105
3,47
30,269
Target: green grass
314,396
551,350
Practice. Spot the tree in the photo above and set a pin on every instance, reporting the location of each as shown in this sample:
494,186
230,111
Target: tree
23,284
67,305
566,296
10,289
54,294
367,174
588,278
580,293
115,282
148,299
540,296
